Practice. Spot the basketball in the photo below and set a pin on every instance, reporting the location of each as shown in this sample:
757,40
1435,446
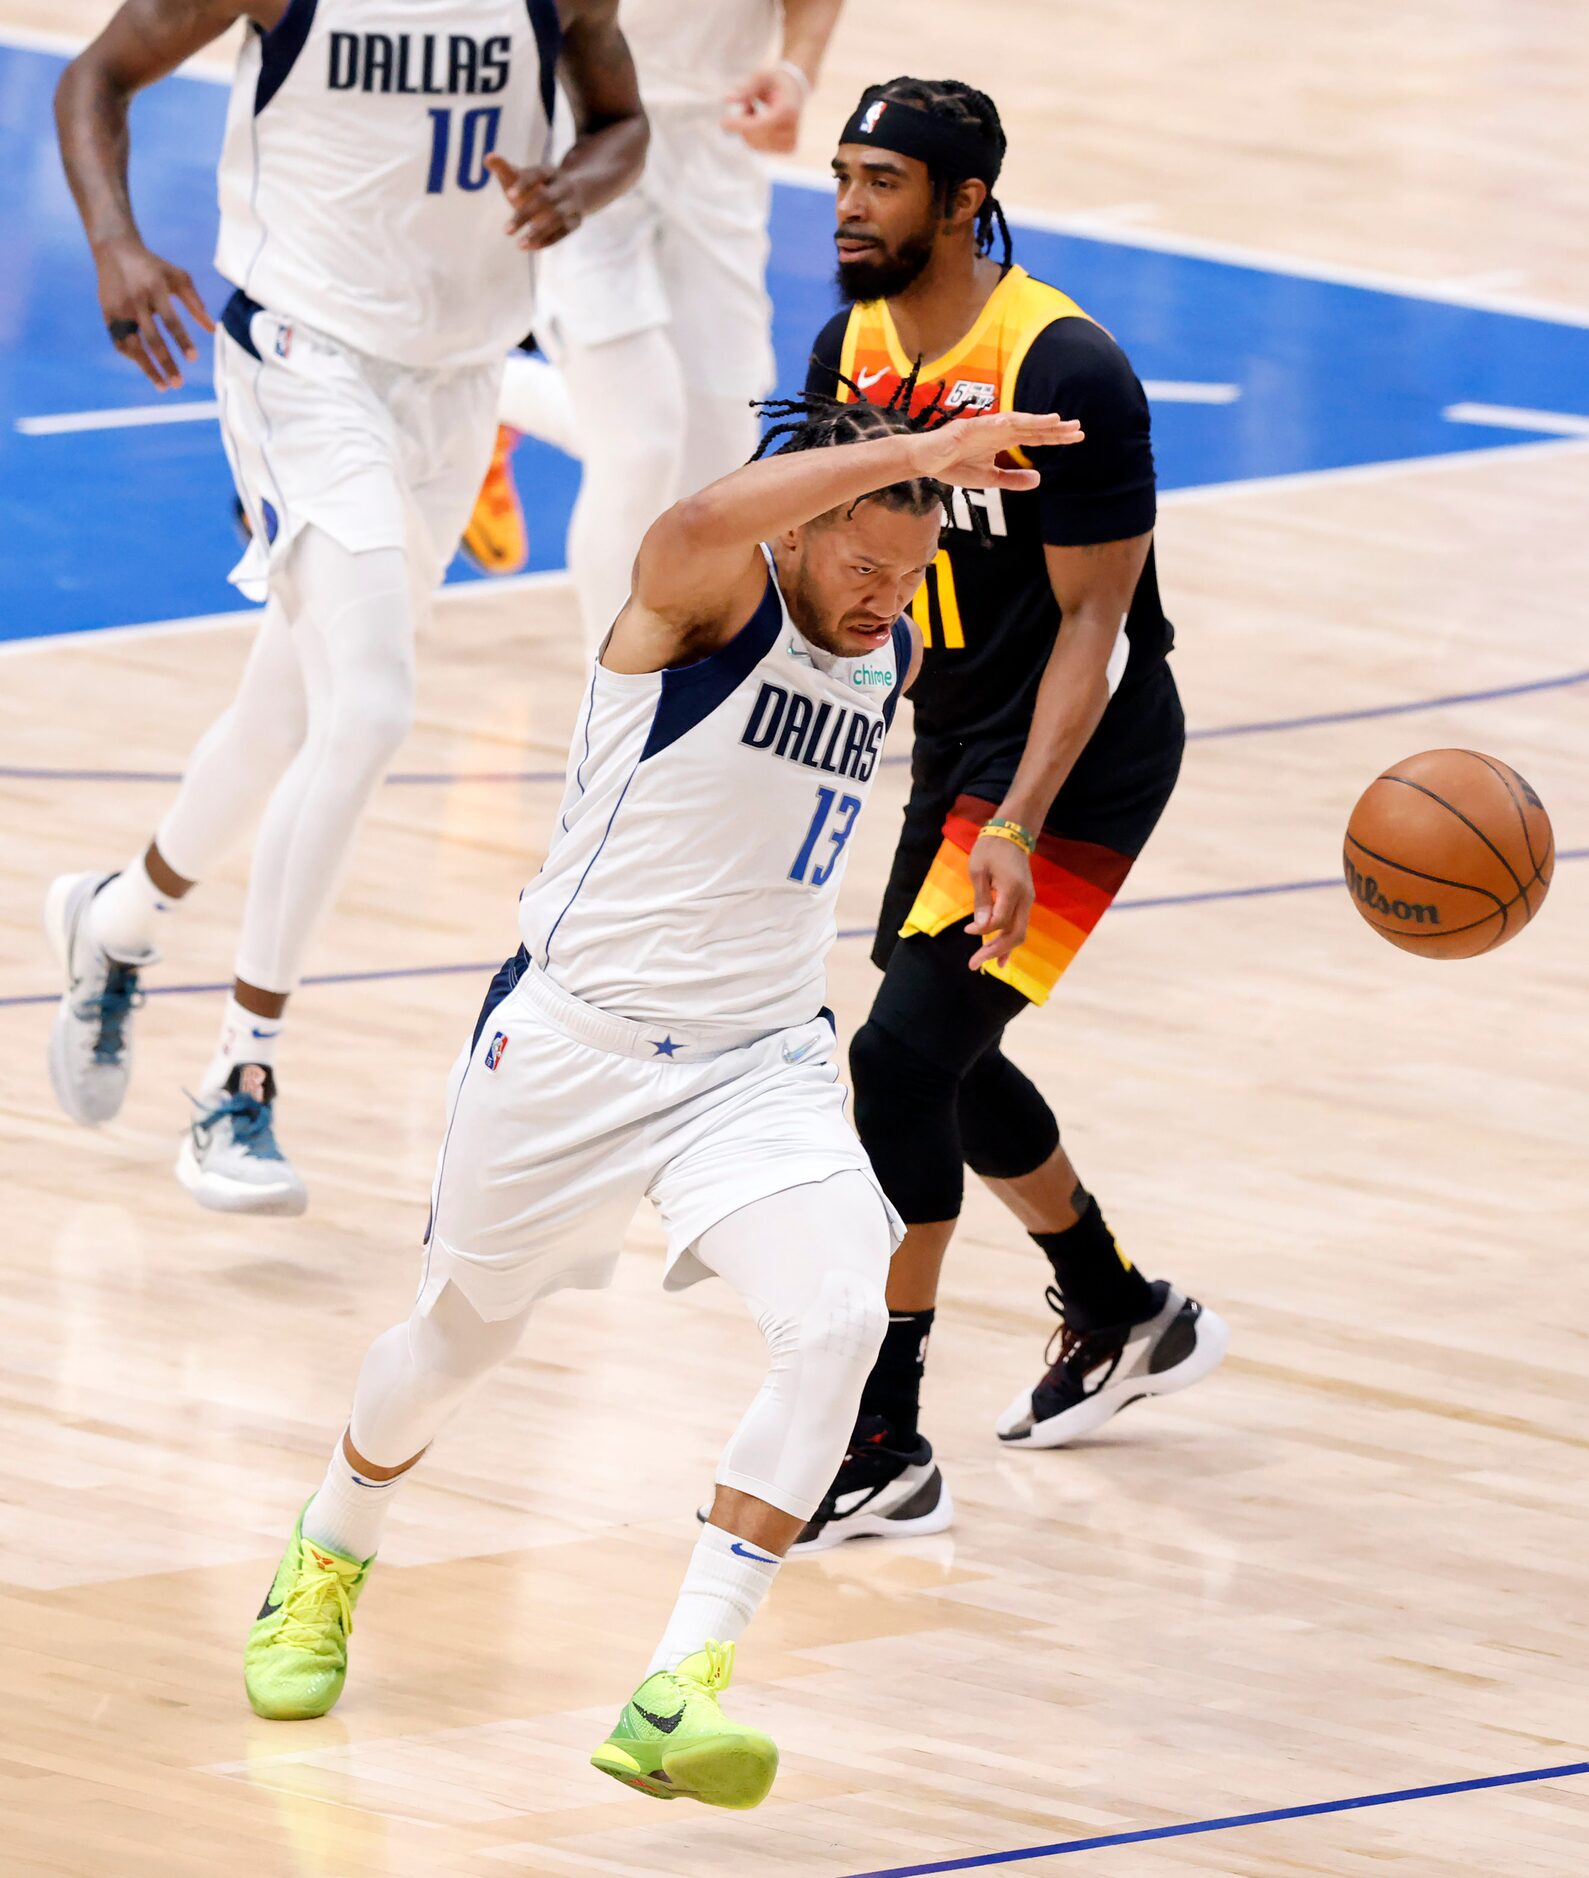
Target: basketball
1448,854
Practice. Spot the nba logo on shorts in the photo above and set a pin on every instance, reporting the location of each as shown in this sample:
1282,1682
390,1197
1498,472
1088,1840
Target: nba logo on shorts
498,1050
873,112
283,341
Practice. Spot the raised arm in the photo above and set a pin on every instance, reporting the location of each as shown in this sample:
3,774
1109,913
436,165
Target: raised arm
144,41
609,149
699,573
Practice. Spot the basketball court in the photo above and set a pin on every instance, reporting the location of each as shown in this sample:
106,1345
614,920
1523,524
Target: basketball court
1322,1614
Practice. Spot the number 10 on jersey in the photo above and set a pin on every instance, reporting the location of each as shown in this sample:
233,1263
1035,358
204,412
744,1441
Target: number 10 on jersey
477,138
838,834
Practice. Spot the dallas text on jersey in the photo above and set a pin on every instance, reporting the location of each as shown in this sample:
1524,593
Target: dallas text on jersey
825,737
419,65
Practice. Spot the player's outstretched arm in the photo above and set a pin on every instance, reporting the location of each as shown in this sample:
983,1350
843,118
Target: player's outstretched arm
609,149
144,41
699,573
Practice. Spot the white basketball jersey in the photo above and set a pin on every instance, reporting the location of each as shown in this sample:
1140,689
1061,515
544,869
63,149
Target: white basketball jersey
694,873
353,187
695,54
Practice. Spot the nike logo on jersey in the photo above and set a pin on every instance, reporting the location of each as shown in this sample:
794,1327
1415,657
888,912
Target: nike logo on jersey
827,736
866,380
666,1723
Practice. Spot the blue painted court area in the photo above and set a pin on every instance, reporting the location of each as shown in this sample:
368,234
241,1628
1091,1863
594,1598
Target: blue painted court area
115,526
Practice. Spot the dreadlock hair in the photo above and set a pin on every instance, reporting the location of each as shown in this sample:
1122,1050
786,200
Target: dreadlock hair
812,421
964,104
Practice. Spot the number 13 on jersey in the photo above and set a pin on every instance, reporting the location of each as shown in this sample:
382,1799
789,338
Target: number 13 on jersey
838,834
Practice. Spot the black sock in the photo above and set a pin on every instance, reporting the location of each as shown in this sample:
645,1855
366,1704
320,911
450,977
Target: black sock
1099,1285
893,1390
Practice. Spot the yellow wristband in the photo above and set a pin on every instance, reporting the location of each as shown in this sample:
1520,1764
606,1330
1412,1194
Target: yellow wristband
1003,830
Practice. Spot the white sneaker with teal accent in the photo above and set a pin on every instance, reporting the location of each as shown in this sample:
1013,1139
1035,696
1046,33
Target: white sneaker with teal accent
90,1041
229,1160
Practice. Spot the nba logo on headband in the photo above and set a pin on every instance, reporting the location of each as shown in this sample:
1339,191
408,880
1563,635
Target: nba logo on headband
873,112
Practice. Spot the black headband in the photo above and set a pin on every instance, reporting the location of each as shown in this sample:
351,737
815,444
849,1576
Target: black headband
955,149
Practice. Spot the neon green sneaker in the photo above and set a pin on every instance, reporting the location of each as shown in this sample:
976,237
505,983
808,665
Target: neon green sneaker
297,1656
674,1741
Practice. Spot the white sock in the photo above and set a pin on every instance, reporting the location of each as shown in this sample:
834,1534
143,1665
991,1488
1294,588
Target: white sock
245,1038
535,400
126,913
348,1512
722,1591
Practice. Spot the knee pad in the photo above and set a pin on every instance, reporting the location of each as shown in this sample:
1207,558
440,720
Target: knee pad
906,1116
1007,1130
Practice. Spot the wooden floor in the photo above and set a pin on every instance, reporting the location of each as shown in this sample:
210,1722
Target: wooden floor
1352,1562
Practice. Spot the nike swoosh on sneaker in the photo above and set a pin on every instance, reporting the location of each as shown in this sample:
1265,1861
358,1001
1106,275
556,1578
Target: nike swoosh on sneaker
667,1723
267,1609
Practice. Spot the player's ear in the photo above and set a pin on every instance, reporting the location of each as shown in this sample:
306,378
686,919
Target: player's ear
965,199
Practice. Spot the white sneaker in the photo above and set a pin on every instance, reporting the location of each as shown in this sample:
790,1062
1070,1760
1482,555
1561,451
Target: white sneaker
229,1160
90,1042
1098,1373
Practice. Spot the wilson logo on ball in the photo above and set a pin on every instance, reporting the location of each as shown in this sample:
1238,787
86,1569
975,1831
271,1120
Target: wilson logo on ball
1368,893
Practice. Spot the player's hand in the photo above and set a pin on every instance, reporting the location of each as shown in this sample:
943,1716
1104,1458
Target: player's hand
967,451
765,111
1001,884
544,201
135,284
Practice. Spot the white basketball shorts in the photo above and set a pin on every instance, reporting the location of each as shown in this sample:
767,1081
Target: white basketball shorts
376,454
685,248
563,1119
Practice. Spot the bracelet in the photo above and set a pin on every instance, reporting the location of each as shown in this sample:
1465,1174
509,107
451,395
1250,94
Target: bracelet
1003,829
799,75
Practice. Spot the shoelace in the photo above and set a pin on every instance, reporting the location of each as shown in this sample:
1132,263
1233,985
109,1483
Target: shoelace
719,1667
1080,1351
112,1008
306,1607
251,1125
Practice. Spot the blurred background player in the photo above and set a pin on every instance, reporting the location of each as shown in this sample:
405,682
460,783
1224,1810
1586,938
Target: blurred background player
656,313
1049,736
661,1034
357,370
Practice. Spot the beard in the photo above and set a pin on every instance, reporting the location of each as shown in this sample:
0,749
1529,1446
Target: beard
887,271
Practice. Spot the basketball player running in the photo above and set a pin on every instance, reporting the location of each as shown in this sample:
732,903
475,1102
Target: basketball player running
656,311
660,1033
357,371
1048,738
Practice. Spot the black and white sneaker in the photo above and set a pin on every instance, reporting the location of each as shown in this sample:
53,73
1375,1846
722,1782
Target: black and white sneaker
1097,1373
882,1491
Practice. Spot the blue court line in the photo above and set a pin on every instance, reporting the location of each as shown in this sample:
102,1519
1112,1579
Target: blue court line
13,773
1227,1823
845,932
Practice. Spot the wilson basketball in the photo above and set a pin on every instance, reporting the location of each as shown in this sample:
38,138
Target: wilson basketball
1449,854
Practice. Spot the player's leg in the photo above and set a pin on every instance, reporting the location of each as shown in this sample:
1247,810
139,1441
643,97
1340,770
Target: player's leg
629,413
1121,1336
715,199
106,928
352,616
809,1263
414,1376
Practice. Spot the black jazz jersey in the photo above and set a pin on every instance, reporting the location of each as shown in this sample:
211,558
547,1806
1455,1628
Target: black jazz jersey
986,610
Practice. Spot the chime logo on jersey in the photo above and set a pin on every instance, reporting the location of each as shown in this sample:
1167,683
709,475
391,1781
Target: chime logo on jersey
498,1050
827,736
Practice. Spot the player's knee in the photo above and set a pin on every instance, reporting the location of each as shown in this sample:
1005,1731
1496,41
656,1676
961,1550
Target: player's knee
906,1113
832,1343
372,720
1007,1129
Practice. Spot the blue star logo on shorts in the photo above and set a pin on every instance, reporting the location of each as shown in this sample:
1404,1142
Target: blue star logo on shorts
666,1047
